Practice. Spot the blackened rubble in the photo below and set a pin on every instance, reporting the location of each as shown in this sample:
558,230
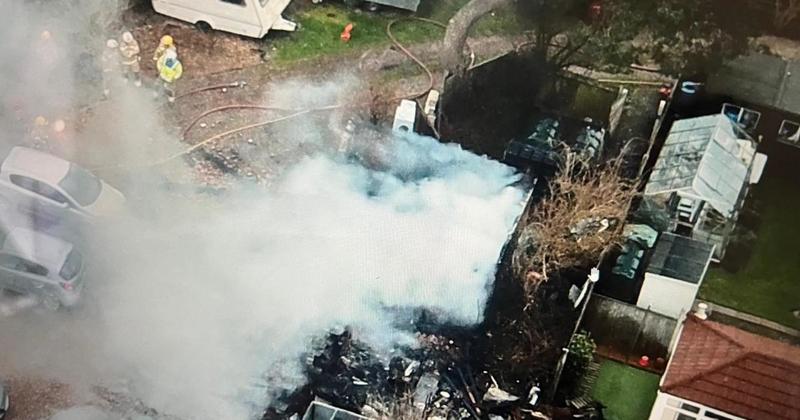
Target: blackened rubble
437,380
500,369
349,375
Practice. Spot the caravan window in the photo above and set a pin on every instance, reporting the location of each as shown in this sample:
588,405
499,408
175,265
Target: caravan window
236,2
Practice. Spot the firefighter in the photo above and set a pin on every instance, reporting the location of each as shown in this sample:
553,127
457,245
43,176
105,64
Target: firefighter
39,135
110,61
166,43
170,70
46,50
129,50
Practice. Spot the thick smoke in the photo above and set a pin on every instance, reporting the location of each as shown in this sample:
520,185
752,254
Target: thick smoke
204,306
207,307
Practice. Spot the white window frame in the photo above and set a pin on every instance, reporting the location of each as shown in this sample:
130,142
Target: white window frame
793,140
674,406
741,113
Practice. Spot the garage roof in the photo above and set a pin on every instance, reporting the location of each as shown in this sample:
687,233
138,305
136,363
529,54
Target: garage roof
680,258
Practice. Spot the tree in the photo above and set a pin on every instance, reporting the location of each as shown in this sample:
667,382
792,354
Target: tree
786,11
455,37
679,35
575,223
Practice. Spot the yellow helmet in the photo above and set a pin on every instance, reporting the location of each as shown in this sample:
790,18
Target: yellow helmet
167,40
40,121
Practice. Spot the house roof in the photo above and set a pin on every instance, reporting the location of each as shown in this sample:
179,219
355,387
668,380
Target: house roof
680,258
707,158
760,79
735,371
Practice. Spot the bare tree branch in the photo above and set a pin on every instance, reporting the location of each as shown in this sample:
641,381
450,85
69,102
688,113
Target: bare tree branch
571,227
785,12
455,38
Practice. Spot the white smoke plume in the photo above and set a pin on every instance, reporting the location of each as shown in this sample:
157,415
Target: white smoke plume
205,305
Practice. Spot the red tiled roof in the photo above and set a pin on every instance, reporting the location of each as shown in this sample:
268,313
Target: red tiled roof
735,371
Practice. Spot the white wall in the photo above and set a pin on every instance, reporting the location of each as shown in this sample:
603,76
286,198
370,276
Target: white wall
667,407
666,295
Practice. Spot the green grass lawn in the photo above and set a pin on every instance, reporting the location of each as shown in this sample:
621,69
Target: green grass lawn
769,283
321,25
628,393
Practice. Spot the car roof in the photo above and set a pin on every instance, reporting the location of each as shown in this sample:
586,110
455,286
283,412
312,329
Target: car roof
36,164
38,247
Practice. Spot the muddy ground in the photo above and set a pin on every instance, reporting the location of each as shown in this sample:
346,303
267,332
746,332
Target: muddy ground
376,80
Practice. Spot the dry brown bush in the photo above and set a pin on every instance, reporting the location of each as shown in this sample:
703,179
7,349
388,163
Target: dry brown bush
572,226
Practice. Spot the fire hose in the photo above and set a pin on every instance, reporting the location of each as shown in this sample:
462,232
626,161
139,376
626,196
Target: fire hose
293,112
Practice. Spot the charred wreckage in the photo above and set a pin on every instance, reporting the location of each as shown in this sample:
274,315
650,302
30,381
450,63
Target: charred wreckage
453,372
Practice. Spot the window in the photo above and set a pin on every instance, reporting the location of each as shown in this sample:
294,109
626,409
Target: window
82,185
72,266
24,182
236,2
682,410
51,193
747,118
15,263
689,407
9,261
789,132
38,187
715,416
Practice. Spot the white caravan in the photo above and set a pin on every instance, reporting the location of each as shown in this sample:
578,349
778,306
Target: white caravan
252,18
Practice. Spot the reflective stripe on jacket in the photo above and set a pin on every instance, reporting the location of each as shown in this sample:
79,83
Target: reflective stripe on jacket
170,74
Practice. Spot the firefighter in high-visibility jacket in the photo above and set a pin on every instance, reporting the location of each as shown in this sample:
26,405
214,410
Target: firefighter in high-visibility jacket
170,70
164,44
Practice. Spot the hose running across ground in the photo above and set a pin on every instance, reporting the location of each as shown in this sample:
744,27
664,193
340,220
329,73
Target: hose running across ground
293,113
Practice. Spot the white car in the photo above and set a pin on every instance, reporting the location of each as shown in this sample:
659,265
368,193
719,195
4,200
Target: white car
5,403
52,190
37,264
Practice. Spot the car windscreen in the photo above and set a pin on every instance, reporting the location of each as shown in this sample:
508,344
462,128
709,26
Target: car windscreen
81,185
72,266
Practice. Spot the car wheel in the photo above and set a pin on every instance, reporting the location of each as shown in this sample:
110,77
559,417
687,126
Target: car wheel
203,26
51,303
